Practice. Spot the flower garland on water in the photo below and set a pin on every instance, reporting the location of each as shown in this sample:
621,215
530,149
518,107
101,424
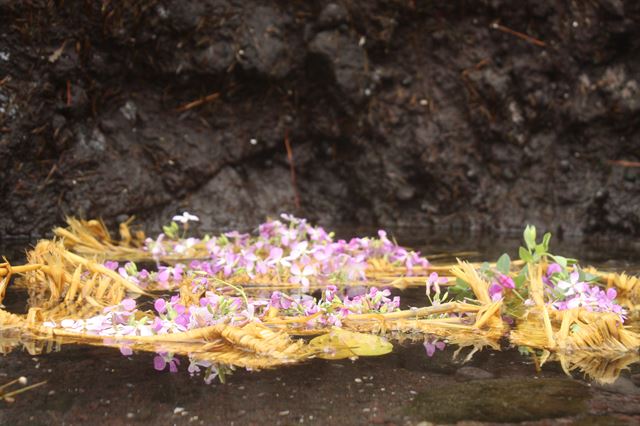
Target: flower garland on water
304,254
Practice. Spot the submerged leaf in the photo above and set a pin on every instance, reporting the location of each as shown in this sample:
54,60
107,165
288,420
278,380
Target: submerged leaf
339,344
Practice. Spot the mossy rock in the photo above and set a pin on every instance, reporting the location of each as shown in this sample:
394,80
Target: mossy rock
502,400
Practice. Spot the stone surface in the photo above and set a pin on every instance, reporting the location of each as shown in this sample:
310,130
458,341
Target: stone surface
502,400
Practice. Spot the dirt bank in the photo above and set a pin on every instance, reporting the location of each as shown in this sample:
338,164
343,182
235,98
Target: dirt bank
480,114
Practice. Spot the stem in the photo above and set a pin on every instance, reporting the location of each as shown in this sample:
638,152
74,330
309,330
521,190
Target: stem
24,389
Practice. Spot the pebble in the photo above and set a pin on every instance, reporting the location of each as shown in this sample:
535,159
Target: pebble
622,385
284,413
473,373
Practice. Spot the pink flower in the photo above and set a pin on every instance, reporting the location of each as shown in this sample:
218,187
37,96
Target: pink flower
495,292
330,292
128,304
160,305
431,345
434,281
112,265
161,360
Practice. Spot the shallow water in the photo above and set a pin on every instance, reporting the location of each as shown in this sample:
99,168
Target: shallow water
89,385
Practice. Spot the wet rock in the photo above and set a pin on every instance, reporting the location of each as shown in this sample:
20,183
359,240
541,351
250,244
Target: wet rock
481,128
622,385
240,195
405,193
473,373
216,58
264,49
182,16
66,62
347,61
331,16
502,400
615,7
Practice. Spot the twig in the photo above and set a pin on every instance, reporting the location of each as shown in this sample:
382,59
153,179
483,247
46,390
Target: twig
624,163
198,102
9,395
496,26
287,145
5,269
69,99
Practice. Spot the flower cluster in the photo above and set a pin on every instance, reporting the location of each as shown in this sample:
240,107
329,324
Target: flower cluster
331,309
502,284
290,248
571,290
118,320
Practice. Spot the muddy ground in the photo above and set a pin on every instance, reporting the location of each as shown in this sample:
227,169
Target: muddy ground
480,114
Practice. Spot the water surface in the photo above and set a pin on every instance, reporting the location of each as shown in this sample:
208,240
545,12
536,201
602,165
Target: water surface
91,385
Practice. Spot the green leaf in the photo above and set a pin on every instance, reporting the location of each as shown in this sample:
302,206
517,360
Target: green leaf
525,255
339,344
530,236
504,263
460,283
525,350
545,241
171,230
560,260
485,267
461,289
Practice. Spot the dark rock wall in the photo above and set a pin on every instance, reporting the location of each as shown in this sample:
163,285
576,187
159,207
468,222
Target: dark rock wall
397,112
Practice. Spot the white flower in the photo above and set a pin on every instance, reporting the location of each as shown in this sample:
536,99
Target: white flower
185,217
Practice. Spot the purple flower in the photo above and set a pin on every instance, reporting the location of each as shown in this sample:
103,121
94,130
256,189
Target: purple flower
160,305
506,281
430,345
163,274
112,265
434,281
496,289
552,269
158,325
128,304
182,320
330,292
280,301
161,360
